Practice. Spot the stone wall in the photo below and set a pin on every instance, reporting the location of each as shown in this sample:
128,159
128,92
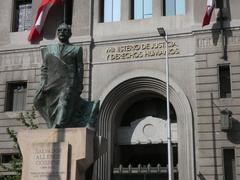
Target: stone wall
194,68
210,139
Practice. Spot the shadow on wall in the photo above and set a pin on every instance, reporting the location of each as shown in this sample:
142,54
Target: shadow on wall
234,134
201,177
221,29
53,20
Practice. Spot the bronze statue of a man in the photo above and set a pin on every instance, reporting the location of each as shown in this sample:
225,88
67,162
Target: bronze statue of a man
58,97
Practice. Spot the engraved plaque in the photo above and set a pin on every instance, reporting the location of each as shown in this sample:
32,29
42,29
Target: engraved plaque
48,161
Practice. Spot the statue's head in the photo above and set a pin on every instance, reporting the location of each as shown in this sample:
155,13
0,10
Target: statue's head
64,33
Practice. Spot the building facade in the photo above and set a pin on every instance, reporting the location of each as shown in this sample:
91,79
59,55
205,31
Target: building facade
124,67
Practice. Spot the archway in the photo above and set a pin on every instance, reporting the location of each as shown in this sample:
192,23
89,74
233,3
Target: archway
112,105
140,138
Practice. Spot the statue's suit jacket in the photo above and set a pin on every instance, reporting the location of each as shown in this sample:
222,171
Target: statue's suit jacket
61,84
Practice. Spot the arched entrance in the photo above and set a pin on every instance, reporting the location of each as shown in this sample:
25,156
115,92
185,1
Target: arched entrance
130,94
140,141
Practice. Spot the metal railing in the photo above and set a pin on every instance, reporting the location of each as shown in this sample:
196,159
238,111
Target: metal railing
143,172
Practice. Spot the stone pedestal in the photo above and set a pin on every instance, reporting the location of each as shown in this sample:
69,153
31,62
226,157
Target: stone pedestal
57,154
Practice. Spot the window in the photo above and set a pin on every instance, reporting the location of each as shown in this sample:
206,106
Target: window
22,16
110,10
173,7
16,96
224,81
229,164
141,9
219,4
7,158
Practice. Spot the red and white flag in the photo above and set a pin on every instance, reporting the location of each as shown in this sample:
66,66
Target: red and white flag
208,13
41,16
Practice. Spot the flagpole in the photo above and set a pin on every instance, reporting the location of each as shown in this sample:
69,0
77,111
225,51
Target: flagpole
64,10
169,135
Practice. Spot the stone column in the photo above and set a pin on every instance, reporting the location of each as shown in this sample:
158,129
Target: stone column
125,10
96,11
81,17
6,21
157,6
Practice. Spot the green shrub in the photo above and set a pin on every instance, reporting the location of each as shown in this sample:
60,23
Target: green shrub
28,120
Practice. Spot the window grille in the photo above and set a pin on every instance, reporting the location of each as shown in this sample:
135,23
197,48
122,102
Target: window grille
22,15
16,96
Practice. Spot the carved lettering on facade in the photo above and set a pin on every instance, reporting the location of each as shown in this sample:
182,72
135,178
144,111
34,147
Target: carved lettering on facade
207,42
141,51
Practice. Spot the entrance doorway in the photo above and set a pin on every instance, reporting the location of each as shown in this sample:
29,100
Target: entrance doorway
132,118
140,151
